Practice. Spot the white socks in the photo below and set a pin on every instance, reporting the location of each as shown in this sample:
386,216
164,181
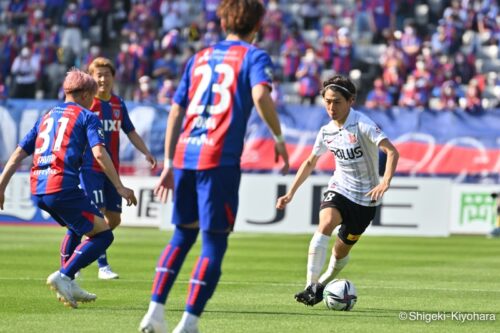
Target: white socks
316,257
156,310
334,268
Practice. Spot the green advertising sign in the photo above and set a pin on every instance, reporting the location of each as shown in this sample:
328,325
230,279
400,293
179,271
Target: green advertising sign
477,208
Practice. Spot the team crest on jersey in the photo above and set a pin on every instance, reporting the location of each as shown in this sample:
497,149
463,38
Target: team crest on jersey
116,113
352,138
269,72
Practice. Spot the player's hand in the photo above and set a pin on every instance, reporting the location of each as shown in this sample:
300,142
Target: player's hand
152,160
280,150
378,191
165,185
283,201
128,195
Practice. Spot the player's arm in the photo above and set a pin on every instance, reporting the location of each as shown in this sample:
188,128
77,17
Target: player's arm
141,146
305,170
10,168
265,107
104,160
174,123
390,168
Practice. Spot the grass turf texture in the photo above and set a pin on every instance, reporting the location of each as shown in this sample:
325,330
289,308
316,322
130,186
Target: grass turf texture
261,273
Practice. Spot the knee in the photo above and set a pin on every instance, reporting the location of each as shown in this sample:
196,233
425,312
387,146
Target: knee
113,220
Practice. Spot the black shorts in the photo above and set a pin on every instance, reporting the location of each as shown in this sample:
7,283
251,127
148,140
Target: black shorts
355,218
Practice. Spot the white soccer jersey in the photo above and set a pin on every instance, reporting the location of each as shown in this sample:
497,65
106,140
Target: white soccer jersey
355,148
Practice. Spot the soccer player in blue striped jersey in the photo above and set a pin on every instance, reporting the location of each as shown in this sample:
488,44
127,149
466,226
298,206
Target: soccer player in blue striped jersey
57,142
203,146
113,114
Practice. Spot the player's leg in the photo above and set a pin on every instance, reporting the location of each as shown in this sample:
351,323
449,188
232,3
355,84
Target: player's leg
217,204
357,220
112,215
329,218
81,216
185,218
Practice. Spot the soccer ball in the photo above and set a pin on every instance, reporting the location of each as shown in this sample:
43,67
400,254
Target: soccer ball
340,295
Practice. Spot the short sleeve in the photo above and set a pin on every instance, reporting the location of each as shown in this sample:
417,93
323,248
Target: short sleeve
95,133
181,94
262,69
29,140
370,130
127,125
319,147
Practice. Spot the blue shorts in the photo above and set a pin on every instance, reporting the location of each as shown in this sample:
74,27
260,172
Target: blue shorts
100,190
208,196
70,208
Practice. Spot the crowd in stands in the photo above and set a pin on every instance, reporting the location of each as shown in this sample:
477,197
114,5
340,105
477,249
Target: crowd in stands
433,54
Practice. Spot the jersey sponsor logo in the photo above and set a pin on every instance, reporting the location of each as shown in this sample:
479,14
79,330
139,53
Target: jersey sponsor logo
44,172
198,140
100,132
204,123
45,159
111,125
348,154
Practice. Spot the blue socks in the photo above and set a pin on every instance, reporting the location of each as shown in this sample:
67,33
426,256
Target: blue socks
102,261
87,252
69,243
170,262
206,272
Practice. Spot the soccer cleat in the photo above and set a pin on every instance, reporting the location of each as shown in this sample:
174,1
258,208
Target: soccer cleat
152,325
312,295
105,273
62,285
81,295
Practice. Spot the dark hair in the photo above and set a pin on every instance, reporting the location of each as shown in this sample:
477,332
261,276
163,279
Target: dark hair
340,84
241,16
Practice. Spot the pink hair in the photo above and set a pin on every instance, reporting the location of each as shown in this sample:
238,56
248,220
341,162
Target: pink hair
78,81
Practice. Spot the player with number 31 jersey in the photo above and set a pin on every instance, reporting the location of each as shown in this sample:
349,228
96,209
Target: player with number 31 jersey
71,128
216,118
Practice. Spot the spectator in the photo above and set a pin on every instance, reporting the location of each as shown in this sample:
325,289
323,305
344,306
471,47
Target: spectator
71,39
410,44
327,43
411,95
146,92
165,67
448,98
342,52
212,34
25,69
309,76
291,51
166,92
472,100
378,98
310,14
127,66
272,28
17,13
382,18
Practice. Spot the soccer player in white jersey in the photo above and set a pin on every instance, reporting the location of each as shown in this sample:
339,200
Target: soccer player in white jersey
353,191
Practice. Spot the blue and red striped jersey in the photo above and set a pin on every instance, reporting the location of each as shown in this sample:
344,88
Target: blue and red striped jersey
58,141
113,115
215,91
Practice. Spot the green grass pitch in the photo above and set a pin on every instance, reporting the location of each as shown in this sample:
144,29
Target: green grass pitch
419,277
